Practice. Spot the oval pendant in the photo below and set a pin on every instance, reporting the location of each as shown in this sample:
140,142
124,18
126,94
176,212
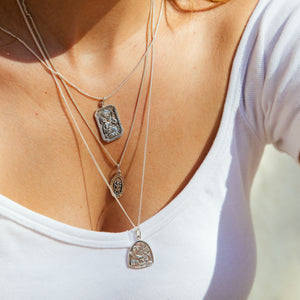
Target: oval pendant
140,255
117,184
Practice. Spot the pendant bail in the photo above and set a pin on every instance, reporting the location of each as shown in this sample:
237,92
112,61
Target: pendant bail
101,103
138,234
118,169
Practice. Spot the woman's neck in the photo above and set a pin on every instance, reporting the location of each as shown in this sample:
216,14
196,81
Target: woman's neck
87,25
69,21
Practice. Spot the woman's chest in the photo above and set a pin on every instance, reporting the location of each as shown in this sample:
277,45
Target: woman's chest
44,157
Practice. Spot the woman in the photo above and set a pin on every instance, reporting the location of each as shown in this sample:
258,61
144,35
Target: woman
220,82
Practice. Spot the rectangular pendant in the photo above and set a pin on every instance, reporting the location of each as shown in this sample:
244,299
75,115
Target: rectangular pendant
109,123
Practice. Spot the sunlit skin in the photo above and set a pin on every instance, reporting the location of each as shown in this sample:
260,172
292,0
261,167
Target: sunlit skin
44,164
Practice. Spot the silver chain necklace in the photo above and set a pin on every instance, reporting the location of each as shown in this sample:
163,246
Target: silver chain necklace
140,254
117,182
106,116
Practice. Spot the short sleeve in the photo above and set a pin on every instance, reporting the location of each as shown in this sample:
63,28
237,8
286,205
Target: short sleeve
272,89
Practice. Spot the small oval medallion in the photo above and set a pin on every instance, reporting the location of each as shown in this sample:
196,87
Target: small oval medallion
118,185
140,255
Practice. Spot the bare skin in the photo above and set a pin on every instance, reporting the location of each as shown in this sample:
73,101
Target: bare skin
44,164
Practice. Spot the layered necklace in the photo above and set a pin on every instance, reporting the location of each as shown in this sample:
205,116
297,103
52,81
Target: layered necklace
140,254
106,117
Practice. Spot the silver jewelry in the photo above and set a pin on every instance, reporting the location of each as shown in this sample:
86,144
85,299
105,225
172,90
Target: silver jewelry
140,254
54,72
109,124
108,131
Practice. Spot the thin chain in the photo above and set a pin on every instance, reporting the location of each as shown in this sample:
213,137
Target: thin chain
138,230
27,13
43,50
89,150
57,73
118,165
82,136
53,70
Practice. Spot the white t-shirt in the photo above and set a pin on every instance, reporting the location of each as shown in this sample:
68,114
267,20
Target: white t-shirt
203,241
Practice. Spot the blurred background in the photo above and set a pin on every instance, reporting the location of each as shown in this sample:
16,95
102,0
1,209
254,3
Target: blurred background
275,202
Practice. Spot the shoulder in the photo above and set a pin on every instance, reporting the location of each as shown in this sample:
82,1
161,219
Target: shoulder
270,17
278,8
271,78
274,15
276,31
272,37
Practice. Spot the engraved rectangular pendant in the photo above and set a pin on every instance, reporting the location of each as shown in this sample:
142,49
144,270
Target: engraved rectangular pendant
140,255
109,123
